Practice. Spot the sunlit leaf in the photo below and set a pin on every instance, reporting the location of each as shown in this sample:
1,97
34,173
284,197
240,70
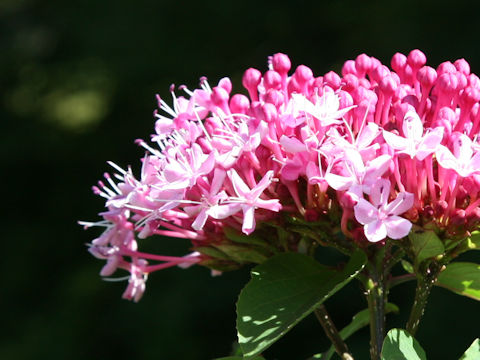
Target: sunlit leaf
473,352
282,291
425,244
462,278
400,345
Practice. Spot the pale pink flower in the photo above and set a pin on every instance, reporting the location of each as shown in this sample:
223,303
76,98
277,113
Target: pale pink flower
248,200
414,143
379,217
463,160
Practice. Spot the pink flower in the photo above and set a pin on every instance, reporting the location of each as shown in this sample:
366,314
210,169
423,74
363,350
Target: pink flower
298,146
380,218
248,200
414,144
463,160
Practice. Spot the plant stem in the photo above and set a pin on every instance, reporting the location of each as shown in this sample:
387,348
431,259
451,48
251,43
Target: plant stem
425,282
376,298
332,332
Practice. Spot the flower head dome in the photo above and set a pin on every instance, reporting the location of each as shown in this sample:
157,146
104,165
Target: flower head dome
336,159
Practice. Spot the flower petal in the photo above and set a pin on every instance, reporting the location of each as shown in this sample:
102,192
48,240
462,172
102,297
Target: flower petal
379,192
397,227
365,212
375,231
401,204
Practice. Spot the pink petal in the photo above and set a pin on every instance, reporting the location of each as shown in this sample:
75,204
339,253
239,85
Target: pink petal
223,211
429,143
292,145
474,165
217,181
272,204
292,170
397,227
339,182
239,185
395,141
445,158
401,204
365,212
412,126
380,192
262,185
248,219
462,148
367,135
200,220
376,168
375,231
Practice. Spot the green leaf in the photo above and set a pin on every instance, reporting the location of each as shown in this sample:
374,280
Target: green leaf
282,291
473,352
426,244
462,278
359,321
244,254
400,345
214,253
238,237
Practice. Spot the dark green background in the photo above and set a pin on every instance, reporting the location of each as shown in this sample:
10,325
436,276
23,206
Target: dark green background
77,85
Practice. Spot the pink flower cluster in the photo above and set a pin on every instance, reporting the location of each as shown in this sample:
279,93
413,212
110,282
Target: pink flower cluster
370,152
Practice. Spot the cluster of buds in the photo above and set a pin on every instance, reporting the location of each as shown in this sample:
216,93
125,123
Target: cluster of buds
356,158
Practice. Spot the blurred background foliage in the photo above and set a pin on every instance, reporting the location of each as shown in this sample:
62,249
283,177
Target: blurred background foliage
77,86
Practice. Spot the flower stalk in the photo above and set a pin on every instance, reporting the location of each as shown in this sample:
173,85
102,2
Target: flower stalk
425,281
332,332
376,298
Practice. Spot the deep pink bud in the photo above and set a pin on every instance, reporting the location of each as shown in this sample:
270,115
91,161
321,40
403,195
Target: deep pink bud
398,63
440,208
427,76
459,218
268,112
274,97
349,68
447,82
239,104
462,66
446,67
462,81
281,63
226,84
220,98
272,80
332,79
474,217
345,99
251,79
416,59
363,64
412,100
379,72
474,81
388,85
469,96
349,82
303,74
318,83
